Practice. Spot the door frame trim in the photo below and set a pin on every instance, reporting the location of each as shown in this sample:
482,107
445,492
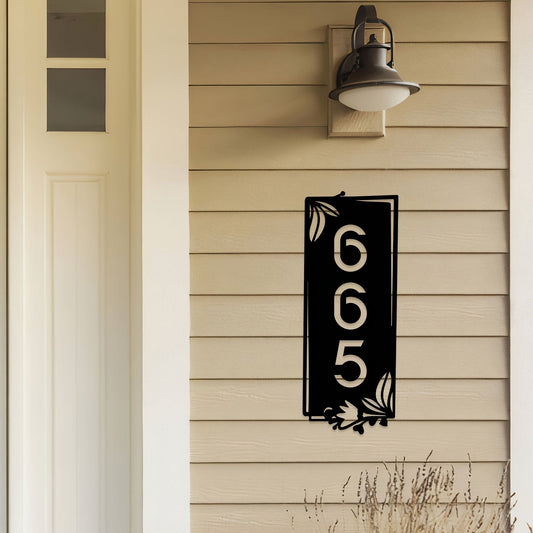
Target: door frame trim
3,268
521,260
165,266
15,366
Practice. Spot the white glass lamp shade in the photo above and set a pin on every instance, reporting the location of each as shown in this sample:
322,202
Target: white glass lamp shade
366,82
374,97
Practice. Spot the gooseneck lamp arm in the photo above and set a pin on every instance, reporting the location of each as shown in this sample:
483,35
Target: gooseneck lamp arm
364,15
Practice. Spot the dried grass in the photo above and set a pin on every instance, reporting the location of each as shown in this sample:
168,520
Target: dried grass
427,503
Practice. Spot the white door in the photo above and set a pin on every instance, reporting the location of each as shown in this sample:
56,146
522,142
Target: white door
69,262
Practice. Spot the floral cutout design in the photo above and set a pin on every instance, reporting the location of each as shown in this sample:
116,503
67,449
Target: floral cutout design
373,410
317,212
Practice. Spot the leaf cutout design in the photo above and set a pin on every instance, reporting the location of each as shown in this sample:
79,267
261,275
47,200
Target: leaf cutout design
371,416
321,223
328,209
372,406
379,390
318,222
318,211
373,403
344,424
348,415
390,403
349,409
385,389
314,222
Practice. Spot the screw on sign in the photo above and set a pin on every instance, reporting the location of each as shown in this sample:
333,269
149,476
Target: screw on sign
350,278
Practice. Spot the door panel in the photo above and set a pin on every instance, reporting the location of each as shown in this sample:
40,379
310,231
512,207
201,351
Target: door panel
76,356
69,238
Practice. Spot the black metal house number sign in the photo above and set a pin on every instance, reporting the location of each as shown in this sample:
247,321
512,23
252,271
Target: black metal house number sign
350,277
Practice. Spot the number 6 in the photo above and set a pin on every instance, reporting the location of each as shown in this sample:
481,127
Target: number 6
352,300
343,358
349,242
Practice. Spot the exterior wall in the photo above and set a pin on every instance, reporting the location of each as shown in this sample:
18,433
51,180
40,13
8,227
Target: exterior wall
258,147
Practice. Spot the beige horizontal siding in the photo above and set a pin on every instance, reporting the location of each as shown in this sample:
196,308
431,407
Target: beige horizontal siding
271,232
285,483
283,274
285,148
276,518
284,441
415,399
307,21
307,64
281,316
451,106
258,108
419,190
417,357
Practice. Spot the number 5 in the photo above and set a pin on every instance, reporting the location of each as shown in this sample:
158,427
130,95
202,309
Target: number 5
343,358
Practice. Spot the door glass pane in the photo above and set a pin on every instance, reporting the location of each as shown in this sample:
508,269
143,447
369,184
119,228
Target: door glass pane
76,28
76,99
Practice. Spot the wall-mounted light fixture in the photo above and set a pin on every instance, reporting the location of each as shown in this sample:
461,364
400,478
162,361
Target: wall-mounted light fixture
366,80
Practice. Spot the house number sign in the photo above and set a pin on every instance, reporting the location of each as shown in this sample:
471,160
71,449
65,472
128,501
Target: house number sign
350,309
